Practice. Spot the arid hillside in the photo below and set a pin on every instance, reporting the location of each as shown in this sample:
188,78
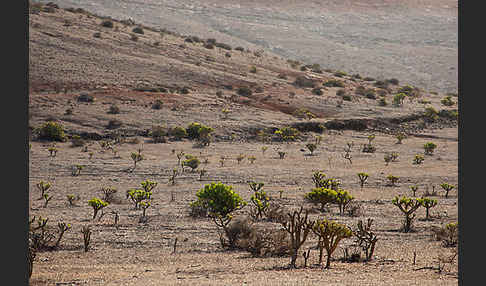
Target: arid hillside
415,41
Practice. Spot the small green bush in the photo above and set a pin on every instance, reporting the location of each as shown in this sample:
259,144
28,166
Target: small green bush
287,133
334,83
52,131
321,196
429,148
220,202
447,101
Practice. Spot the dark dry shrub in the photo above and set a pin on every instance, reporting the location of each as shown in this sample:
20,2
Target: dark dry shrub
239,229
197,210
114,123
107,24
341,92
133,37
158,134
360,90
97,35
393,81
368,79
451,114
302,81
355,209
317,91
382,102
114,109
244,91
267,243
138,30
157,104
223,46
259,89
276,213
370,93
209,46
347,97
448,234
84,97
241,49
52,131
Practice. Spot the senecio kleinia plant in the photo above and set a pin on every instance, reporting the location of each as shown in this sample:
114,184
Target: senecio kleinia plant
330,233
221,202
429,148
97,204
407,206
137,196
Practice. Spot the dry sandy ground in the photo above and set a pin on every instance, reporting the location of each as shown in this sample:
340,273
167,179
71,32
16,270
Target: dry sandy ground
68,58
140,254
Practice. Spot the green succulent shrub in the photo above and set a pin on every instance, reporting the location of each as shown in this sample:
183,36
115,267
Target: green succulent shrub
191,162
259,199
409,91
52,131
43,187
447,101
427,203
407,206
431,113
398,99
418,159
136,157
447,188
342,199
200,132
97,204
392,180
221,202
330,233
137,196
287,133
148,185
334,83
429,148
321,196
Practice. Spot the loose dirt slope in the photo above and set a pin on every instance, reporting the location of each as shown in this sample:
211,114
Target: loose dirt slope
67,60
